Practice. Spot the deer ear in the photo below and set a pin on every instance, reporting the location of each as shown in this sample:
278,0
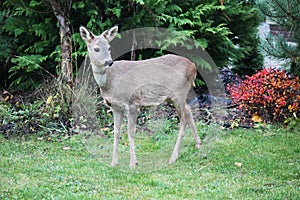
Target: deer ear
86,35
111,33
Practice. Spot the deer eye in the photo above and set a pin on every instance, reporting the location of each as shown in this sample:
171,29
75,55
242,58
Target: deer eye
96,49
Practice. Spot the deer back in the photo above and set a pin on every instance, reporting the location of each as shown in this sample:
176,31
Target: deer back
148,82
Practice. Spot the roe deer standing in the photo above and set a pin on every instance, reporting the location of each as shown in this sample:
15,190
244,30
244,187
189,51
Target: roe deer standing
127,85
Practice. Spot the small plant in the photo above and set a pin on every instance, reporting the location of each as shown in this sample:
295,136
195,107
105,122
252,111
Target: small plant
46,114
271,94
293,123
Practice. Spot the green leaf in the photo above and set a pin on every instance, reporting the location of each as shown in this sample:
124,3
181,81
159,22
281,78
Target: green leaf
81,4
199,82
34,3
201,43
141,2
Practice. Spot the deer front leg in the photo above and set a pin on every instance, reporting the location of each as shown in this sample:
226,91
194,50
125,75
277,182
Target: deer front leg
132,117
118,116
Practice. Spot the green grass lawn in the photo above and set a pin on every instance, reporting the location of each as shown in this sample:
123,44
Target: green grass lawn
236,164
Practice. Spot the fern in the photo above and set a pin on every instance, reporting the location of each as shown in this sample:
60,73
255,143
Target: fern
29,66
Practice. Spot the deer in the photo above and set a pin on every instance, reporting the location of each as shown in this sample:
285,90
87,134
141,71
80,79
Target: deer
128,85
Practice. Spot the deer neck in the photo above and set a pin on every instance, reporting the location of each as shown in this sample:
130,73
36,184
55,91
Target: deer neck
100,75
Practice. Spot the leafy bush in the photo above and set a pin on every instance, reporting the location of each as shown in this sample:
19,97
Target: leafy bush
271,94
45,113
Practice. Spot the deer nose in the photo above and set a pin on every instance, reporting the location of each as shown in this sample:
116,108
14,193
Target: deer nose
109,63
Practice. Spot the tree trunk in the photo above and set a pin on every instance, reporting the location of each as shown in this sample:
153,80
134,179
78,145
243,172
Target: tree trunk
61,10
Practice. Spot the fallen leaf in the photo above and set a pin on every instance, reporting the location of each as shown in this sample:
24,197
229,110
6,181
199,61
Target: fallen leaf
6,98
31,129
66,148
238,164
256,119
105,129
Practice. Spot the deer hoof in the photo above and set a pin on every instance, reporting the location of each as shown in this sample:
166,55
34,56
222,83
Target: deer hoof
198,145
172,159
133,165
113,164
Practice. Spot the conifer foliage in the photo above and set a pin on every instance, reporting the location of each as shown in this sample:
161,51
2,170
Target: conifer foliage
286,14
31,42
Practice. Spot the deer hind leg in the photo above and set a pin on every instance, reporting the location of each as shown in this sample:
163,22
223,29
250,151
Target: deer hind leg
132,117
189,117
118,116
182,126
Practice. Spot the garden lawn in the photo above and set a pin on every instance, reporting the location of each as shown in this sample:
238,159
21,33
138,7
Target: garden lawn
236,164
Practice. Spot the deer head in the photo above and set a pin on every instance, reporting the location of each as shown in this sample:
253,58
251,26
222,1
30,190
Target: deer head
98,47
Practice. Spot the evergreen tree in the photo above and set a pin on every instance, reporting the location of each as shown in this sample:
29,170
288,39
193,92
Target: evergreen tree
30,30
33,49
244,21
226,29
30,34
287,15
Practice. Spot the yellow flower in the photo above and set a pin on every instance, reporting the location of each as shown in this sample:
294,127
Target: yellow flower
49,100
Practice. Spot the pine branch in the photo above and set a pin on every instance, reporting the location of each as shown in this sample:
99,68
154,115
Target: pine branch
23,5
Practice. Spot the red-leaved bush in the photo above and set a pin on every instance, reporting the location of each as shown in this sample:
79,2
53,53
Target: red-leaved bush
271,94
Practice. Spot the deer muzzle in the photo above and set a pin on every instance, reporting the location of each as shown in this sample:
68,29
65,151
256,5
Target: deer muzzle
108,63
